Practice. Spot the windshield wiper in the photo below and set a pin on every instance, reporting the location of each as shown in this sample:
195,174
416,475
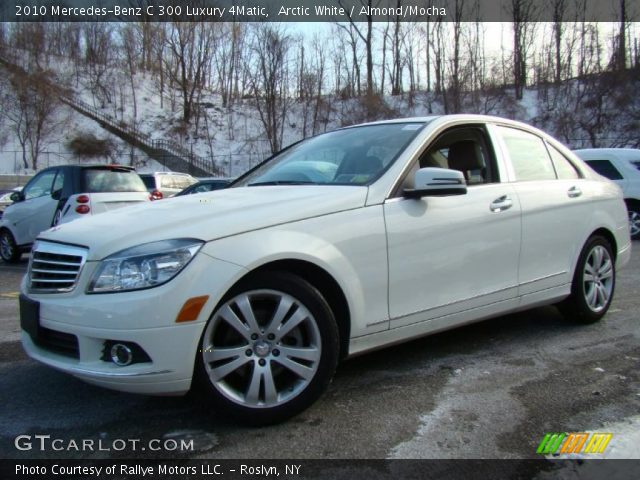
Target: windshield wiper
282,182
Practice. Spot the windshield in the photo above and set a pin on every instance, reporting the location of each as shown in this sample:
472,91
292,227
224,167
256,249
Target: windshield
353,156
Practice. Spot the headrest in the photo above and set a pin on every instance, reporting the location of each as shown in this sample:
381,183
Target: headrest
465,155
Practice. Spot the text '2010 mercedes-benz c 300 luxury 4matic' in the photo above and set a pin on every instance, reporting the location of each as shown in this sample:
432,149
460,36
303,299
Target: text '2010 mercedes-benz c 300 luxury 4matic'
342,243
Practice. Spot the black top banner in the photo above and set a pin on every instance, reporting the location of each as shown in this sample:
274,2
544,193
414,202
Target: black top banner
318,10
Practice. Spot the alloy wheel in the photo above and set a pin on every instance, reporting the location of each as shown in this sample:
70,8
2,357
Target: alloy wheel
262,348
6,246
598,278
634,223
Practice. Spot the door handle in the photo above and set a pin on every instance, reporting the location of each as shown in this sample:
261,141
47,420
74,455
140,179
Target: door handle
501,204
574,192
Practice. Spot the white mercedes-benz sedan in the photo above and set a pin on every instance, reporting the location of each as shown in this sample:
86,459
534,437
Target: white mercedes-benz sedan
345,242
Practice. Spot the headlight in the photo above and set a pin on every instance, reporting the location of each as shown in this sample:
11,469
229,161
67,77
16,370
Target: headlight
144,266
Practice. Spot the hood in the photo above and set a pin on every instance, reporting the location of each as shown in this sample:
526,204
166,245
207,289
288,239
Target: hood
206,216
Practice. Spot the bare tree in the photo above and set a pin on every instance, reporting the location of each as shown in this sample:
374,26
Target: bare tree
30,107
98,40
619,60
270,80
353,83
523,15
454,94
189,45
558,9
129,47
366,35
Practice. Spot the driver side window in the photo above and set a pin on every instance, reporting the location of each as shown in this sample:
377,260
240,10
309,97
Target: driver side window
40,186
464,149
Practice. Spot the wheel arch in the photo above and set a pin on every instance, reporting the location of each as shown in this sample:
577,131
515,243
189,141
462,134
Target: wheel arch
609,236
632,202
601,231
324,282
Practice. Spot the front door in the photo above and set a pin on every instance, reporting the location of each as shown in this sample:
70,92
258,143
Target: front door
454,253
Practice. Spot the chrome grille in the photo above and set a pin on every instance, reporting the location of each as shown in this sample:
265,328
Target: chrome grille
55,268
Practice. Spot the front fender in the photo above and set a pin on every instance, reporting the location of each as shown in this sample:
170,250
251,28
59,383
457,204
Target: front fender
350,246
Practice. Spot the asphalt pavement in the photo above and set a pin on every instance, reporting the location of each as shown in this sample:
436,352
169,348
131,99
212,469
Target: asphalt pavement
488,390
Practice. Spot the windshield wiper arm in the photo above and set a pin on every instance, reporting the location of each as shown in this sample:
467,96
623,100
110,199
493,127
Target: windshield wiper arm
282,182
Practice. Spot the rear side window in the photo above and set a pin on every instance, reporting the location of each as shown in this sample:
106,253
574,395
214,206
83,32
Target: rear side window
167,182
605,168
182,182
528,155
636,163
175,181
106,180
564,168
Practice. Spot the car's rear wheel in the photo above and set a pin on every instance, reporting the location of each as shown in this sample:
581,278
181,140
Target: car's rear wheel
594,282
269,350
9,251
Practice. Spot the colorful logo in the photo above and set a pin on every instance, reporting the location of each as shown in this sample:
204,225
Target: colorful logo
578,442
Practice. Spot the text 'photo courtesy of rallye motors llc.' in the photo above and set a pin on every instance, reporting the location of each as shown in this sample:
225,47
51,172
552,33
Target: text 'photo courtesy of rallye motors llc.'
341,239
326,251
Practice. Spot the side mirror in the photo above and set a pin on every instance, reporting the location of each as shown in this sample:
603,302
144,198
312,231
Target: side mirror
437,182
16,197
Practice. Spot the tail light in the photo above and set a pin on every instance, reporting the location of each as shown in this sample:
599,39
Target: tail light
156,195
83,208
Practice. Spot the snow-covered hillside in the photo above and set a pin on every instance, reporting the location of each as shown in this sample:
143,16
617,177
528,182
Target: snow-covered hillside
233,137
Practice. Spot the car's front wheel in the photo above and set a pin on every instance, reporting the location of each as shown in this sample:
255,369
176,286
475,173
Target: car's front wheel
269,350
594,282
9,251
56,217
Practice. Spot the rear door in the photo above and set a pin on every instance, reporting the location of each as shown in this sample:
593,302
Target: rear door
554,207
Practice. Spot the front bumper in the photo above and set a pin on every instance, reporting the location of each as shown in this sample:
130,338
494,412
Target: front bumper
145,317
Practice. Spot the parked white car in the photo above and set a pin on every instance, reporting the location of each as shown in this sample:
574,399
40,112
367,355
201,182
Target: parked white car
346,242
62,194
622,165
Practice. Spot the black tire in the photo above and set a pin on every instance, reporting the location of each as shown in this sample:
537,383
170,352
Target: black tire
56,217
591,295
267,382
9,251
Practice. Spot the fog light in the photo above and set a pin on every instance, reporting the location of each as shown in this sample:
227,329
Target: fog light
121,355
